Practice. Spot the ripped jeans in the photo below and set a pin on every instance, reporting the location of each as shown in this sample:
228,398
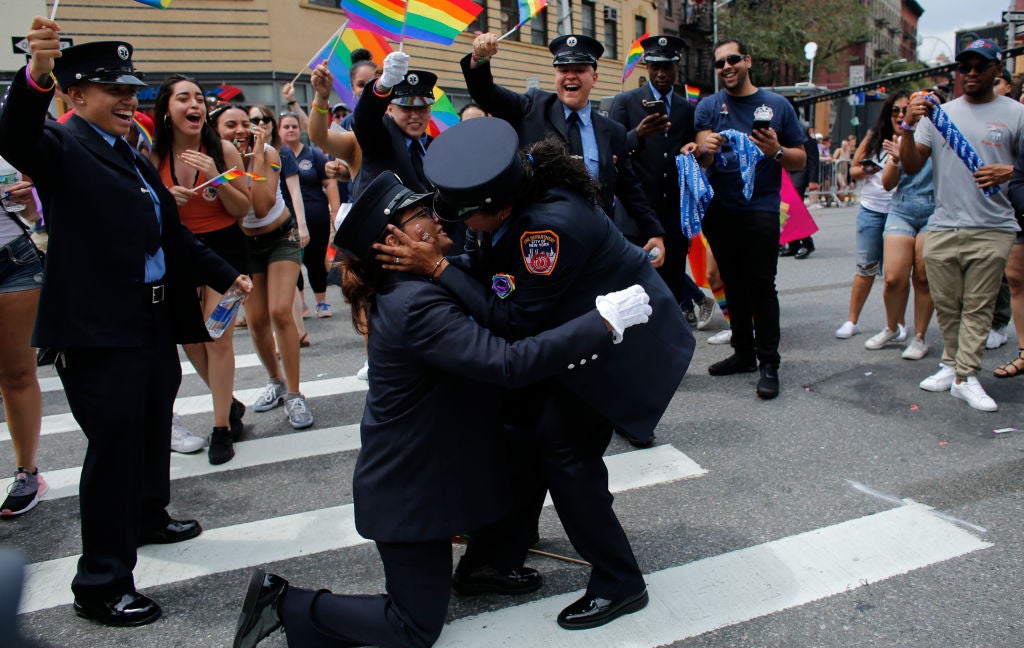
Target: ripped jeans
870,225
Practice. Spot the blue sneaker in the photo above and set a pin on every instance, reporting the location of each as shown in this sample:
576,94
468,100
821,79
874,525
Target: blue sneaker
323,309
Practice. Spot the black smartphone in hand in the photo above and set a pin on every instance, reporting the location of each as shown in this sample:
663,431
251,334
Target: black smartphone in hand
655,107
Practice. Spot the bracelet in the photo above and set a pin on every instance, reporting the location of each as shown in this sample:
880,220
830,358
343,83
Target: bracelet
907,127
291,102
480,59
320,109
436,266
378,92
36,86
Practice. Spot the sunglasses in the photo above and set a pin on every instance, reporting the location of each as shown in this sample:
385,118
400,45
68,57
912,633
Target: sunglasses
899,110
261,120
732,59
422,212
966,68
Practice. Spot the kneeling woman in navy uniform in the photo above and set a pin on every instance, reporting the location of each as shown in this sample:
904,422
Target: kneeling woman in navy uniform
430,359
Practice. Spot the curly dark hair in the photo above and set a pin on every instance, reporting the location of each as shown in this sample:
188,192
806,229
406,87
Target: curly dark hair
548,165
883,130
164,134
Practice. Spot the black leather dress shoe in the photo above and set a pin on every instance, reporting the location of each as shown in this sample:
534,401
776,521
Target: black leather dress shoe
804,252
592,611
786,250
768,385
260,610
734,364
175,531
488,580
131,609
634,441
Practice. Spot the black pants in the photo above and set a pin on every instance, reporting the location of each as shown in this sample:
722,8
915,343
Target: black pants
314,256
412,613
746,247
673,271
122,398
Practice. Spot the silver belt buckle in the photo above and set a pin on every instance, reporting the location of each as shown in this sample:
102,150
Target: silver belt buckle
158,294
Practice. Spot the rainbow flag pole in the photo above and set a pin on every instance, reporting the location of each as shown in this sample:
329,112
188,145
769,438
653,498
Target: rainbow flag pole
337,40
405,21
218,180
527,10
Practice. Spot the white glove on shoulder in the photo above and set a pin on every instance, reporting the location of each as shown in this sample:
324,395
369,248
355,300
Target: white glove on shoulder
623,309
396,66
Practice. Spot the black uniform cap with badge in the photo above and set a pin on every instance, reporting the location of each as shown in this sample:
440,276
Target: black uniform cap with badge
662,49
108,62
380,202
466,182
575,49
416,89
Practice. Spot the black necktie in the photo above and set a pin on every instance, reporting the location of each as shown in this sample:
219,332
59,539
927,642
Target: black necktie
575,139
416,155
152,226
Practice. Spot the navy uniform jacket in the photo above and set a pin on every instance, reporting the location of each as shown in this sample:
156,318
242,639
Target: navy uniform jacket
383,145
576,254
94,203
654,158
538,113
423,474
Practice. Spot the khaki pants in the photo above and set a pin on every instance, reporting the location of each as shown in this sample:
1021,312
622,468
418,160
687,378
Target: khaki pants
964,270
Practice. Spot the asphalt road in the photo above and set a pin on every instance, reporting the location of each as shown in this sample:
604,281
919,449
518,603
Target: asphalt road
854,510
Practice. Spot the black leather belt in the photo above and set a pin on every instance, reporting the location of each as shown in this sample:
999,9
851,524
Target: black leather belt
274,234
154,293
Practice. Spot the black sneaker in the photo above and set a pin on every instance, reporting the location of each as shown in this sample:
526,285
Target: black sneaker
221,447
768,385
235,415
23,493
734,364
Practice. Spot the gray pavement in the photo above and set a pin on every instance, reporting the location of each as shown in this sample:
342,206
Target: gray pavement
775,470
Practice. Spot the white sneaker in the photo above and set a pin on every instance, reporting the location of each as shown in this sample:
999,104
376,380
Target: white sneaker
182,439
971,391
364,371
722,337
879,340
901,333
916,350
996,338
847,330
704,310
940,380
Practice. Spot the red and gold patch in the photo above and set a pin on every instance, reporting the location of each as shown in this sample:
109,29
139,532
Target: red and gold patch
540,251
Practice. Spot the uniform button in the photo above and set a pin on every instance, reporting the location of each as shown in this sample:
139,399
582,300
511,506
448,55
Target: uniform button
665,154
593,357
583,361
664,175
572,366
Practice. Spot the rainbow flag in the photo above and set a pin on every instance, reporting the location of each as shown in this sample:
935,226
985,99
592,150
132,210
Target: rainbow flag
530,8
435,21
159,4
144,134
274,166
337,51
227,176
442,113
692,93
633,57
256,177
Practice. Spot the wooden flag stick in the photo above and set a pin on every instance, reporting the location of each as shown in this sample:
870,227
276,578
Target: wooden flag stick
560,557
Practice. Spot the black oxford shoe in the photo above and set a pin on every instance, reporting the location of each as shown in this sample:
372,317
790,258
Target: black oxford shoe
592,611
260,615
734,364
131,609
175,531
636,442
488,580
804,252
768,385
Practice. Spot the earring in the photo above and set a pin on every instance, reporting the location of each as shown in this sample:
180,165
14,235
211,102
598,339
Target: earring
167,121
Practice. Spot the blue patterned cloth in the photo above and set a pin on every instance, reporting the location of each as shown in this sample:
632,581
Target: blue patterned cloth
747,154
695,193
956,140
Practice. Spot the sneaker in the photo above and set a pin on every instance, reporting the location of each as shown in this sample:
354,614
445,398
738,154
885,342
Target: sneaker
996,338
299,415
23,493
364,371
901,333
847,330
272,396
235,415
221,446
971,391
879,340
916,350
182,439
691,316
940,380
722,337
323,309
734,364
704,310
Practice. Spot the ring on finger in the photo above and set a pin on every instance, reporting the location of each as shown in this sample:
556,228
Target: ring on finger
425,236
398,261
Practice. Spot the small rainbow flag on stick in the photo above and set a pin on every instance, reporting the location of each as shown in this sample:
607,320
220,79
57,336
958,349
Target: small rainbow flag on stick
435,21
159,4
527,10
692,93
442,113
635,52
143,134
216,181
337,51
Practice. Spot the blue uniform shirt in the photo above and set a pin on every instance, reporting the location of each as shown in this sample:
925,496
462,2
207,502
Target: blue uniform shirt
588,137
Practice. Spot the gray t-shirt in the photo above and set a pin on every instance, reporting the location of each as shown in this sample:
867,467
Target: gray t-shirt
996,132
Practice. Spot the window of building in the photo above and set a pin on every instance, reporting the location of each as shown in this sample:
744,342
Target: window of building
539,28
480,22
589,12
611,42
510,18
640,26
668,8
326,3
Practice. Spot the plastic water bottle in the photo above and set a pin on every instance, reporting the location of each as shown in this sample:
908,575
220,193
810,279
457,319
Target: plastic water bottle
654,253
8,177
224,313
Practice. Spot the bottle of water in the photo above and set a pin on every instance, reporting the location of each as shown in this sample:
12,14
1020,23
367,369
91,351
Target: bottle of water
8,177
224,313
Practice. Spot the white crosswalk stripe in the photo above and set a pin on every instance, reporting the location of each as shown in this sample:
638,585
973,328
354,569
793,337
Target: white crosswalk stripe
243,361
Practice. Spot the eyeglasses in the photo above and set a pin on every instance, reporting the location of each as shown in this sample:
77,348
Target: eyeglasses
450,213
899,110
261,120
732,59
966,68
423,212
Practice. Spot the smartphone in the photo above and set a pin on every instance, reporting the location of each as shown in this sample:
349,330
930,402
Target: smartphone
762,123
870,163
657,106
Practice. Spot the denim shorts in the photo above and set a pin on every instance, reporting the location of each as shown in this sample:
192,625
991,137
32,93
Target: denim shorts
280,245
870,225
909,215
19,266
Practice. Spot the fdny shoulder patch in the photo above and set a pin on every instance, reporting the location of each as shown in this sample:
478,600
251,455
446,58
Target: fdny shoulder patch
540,251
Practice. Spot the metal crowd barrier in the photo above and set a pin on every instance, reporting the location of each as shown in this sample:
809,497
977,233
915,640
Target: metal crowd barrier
835,187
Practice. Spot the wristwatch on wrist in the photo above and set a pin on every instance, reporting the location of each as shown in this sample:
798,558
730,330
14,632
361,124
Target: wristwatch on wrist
778,154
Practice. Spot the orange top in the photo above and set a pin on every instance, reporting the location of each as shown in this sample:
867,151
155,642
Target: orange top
204,212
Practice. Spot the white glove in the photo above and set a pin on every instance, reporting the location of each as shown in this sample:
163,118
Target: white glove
396,66
623,309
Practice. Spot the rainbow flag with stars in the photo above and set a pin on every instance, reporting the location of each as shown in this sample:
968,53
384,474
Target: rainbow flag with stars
633,57
435,21
338,53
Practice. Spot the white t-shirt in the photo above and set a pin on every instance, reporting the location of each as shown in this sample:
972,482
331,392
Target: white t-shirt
873,195
250,221
996,132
